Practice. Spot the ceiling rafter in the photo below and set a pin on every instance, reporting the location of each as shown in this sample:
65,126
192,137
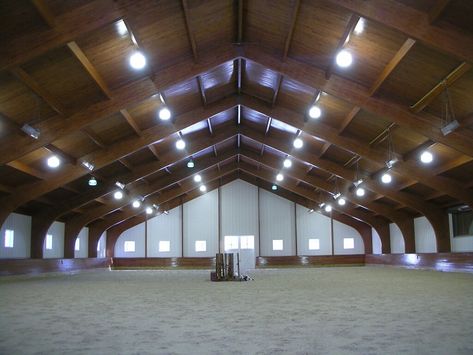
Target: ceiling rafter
437,10
290,32
190,33
44,11
201,90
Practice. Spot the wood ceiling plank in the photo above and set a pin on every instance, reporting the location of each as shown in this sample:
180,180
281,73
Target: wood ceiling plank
190,33
24,168
44,11
131,121
437,10
287,44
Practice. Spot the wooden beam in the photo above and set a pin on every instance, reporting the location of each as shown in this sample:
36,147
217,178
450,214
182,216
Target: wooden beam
131,121
190,34
414,153
240,22
268,126
278,88
93,137
456,74
292,26
437,10
343,40
414,23
324,149
66,157
44,11
154,150
27,169
201,90
89,67
452,164
393,63
351,115
26,79
209,126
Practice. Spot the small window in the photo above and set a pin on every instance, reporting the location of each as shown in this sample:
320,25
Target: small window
9,238
278,244
77,245
231,242
200,245
98,246
49,241
462,222
247,242
129,246
164,246
314,244
348,243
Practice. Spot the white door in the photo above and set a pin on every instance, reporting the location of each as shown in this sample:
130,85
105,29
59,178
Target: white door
245,246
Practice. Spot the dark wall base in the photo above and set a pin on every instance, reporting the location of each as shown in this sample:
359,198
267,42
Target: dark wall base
322,260
436,261
39,266
150,263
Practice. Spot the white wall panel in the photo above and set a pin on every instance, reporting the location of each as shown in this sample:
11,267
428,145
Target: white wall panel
313,225
397,241
136,234
21,226
377,245
277,220
201,223
83,244
57,251
462,243
239,210
165,228
342,231
424,236
102,246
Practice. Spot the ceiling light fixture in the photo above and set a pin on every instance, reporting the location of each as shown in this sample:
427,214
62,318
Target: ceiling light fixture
136,204
197,178
149,210
180,144
315,112
341,201
121,28
279,177
287,163
426,157
31,131
328,208
274,187
344,59
360,192
120,185
386,178
92,181
88,165
298,143
118,195
449,123
53,162
190,163
360,26
203,188
137,60
164,114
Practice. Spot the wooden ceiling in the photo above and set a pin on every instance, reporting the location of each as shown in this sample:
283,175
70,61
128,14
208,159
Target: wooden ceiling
239,77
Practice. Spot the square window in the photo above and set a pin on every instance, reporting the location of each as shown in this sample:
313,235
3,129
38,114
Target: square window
9,238
200,245
348,243
129,246
49,241
278,244
231,242
314,244
77,245
247,242
164,246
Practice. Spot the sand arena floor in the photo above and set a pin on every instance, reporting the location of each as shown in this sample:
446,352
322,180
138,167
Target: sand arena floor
354,310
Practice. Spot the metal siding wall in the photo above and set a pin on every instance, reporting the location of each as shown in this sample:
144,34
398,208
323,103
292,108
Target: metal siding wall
83,244
21,225
377,245
397,241
425,236
201,223
277,222
239,210
313,225
136,234
57,231
165,227
341,231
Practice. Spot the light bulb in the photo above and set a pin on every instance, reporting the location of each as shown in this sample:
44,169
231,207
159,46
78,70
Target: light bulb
149,210
315,112
287,163
136,204
92,181
344,59
197,178
274,187
137,61
360,192
360,26
386,178
280,177
426,157
190,164
118,195
164,114
203,188
341,201
54,161
180,144
298,143
328,208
